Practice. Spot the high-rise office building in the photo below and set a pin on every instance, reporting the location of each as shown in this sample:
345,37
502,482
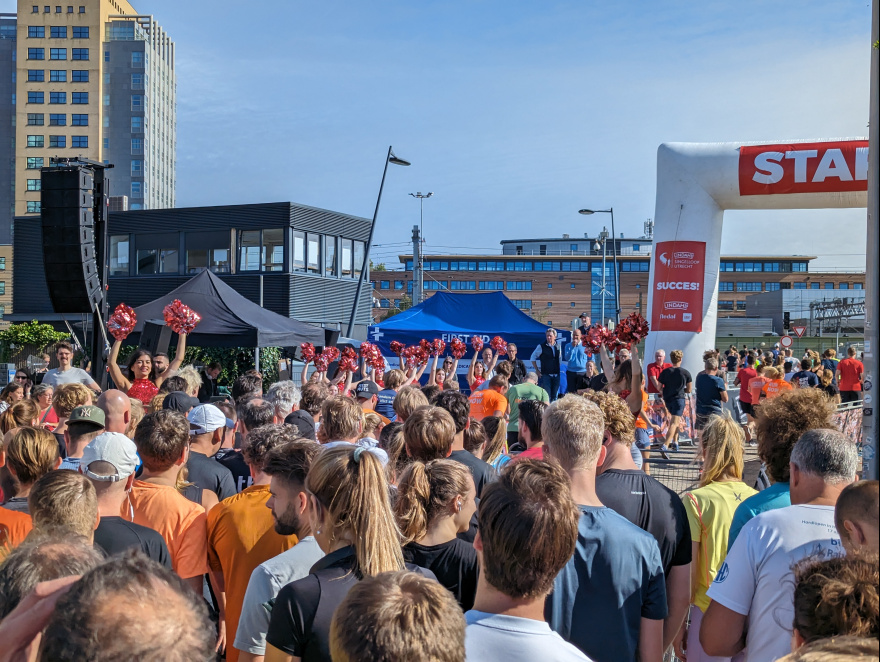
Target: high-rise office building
94,80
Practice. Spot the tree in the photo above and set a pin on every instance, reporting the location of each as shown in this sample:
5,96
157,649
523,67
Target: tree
377,267
28,335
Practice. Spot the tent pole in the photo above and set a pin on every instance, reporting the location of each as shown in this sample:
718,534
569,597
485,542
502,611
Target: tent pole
257,349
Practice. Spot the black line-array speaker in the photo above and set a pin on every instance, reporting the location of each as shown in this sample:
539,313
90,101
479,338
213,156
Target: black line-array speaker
68,219
155,338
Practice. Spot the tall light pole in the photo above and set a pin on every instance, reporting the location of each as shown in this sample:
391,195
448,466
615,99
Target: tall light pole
603,241
421,265
390,158
610,210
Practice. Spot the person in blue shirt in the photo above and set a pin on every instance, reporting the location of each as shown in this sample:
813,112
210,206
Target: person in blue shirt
779,424
576,358
711,393
610,598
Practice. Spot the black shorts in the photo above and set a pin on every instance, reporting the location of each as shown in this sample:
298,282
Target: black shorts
702,420
675,406
747,408
850,396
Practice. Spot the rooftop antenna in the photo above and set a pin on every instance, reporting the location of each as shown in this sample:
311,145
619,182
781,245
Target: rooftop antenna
649,229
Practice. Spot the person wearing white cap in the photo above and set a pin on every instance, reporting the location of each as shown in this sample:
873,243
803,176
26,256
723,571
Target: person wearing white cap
206,426
109,461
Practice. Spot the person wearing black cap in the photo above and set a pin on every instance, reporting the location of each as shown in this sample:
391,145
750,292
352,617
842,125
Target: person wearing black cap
367,396
303,422
585,323
179,401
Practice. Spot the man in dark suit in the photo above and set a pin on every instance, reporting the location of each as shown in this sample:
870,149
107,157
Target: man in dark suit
209,387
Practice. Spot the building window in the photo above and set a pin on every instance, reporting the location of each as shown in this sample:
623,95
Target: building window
36,32
572,304
800,286
137,101
398,285
137,124
82,9
33,207
2,264
725,286
58,76
842,286
34,162
137,146
463,285
58,97
573,247
299,251
799,266
549,286
35,141
741,306
384,284
360,253
57,53
36,75
79,76
35,97
549,304
35,9
519,285
36,54
79,120
35,119
158,254
435,285
106,56
79,32
119,245
58,9
725,305
522,304
137,81
58,32
572,286
57,141
636,247
137,59
329,256
858,286
57,119
79,54
266,250
313,253
345,258
749,287
79,141
80,97
34,185
772,287
137,168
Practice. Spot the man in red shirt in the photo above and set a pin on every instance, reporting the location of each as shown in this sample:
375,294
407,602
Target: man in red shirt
654,369
743,377
850,373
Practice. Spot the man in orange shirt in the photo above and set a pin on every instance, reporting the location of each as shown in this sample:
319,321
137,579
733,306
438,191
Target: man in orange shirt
490,401
162,440
241,529
776,386
14,527
850,374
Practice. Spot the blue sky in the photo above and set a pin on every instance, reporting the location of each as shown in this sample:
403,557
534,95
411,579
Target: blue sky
515,114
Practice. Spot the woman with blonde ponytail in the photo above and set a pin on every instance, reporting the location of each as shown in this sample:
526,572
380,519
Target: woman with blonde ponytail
710,510
435,502
350,514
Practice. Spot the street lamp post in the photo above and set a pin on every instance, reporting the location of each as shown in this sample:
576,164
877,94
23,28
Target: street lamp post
603,240
610,210
421,270
390,158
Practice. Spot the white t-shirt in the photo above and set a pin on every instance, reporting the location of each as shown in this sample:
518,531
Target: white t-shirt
514,639
757,580
55,377
266,580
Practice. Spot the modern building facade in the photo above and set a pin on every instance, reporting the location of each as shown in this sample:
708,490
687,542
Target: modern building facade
298,261
554,280
93,80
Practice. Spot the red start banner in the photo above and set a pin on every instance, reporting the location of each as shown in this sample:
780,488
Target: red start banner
803,168
678,286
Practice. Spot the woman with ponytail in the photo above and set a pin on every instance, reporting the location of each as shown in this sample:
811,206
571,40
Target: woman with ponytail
435,502
24,413
350,514
710,510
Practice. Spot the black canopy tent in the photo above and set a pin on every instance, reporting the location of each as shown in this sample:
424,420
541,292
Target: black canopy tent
228,318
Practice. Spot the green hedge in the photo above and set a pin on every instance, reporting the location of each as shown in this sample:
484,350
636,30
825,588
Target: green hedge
235,361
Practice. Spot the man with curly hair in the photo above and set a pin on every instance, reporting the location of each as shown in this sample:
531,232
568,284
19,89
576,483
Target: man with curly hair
779,424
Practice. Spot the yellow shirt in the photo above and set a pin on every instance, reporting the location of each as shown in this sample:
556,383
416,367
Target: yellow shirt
241,536
710,511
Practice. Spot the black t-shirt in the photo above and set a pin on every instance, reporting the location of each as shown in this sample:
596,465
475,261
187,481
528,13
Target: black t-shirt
210,475
303,610
831,390
114,535
62,447
483,473
674,381
234,461
598,382
651,506
454,563
732,361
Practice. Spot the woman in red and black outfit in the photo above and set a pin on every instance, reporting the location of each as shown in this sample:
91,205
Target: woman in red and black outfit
140,379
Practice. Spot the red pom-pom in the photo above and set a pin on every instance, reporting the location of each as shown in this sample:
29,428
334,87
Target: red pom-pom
477,343
331,353
321,363
595,337
425,345
397,347
632,329
366,349
122,321
499,345
180,317
307,352
457,347
437,347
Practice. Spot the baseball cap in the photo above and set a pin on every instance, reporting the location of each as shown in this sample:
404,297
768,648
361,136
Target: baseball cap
583,315
303,422
179,401
206,418
367,389
88,414
112,447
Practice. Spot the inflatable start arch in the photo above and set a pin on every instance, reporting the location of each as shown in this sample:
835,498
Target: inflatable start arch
696,183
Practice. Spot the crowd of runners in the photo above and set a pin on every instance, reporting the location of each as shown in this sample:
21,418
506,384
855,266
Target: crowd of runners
405,515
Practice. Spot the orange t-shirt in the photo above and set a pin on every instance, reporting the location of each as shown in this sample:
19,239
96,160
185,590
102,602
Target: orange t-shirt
776,387
182,523
385,420
241,536
756,385
14,527
486,402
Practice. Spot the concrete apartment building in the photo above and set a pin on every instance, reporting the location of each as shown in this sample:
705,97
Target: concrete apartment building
94,80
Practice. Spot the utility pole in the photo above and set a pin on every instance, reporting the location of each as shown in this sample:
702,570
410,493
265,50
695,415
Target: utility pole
418,274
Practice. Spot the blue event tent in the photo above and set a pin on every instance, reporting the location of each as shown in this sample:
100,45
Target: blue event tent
445,315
